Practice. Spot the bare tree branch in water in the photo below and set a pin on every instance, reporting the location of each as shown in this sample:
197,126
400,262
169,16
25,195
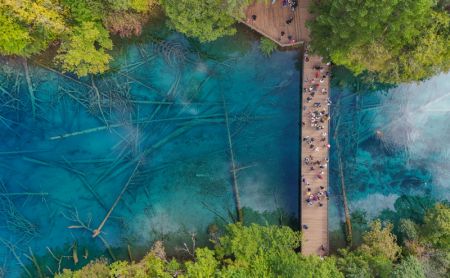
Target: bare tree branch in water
80,224
185,248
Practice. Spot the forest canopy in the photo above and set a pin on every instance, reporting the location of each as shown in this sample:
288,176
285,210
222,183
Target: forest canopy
202,19
272,251
395,40
80,29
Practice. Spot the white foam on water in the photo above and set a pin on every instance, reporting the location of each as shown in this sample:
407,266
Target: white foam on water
159,222
256,194
421,125
201,67
376,202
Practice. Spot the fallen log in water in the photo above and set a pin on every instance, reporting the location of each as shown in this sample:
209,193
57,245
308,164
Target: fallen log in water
12,249
97,231
30,87
32,258
59,260
208,207
237,199
61,74
348,223
80,175
13,219
21,152
107,127
81,225
86,131
24,194
129,253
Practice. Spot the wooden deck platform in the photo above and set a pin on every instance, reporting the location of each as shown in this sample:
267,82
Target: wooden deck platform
315,217
271,21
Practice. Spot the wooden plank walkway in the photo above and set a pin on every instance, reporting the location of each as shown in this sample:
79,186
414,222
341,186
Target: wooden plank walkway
271,21
314,156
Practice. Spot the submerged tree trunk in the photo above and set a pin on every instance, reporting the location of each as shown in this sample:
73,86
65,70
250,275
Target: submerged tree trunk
237,198
97,231
30,87
348,223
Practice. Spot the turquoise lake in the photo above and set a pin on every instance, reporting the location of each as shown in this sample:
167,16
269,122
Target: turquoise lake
394,147
156,129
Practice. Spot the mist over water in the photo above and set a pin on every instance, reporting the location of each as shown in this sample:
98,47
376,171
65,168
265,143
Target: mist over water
392,143
423,128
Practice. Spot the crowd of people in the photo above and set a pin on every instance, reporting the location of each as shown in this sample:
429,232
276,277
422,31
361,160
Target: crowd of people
315,120
289,3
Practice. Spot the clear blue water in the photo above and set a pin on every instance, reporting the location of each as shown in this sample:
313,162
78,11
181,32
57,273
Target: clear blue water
160,111
392,143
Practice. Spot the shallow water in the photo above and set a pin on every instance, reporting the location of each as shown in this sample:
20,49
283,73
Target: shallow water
392,143
154,128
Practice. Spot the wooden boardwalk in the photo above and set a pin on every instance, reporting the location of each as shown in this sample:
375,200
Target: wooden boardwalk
271,21
314,157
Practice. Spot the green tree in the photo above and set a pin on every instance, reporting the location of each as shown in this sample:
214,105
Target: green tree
444,4
35,23
314,266
205,264
136,5
427,55
259,249
153,266
380,242
28,27
398,40
268,251
353,265
436,263
237,7
409,267
85,10
206,20
97,268
361,264
375,256
379,266
436,229
84,52
14,38
43,14
408,229
267,46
